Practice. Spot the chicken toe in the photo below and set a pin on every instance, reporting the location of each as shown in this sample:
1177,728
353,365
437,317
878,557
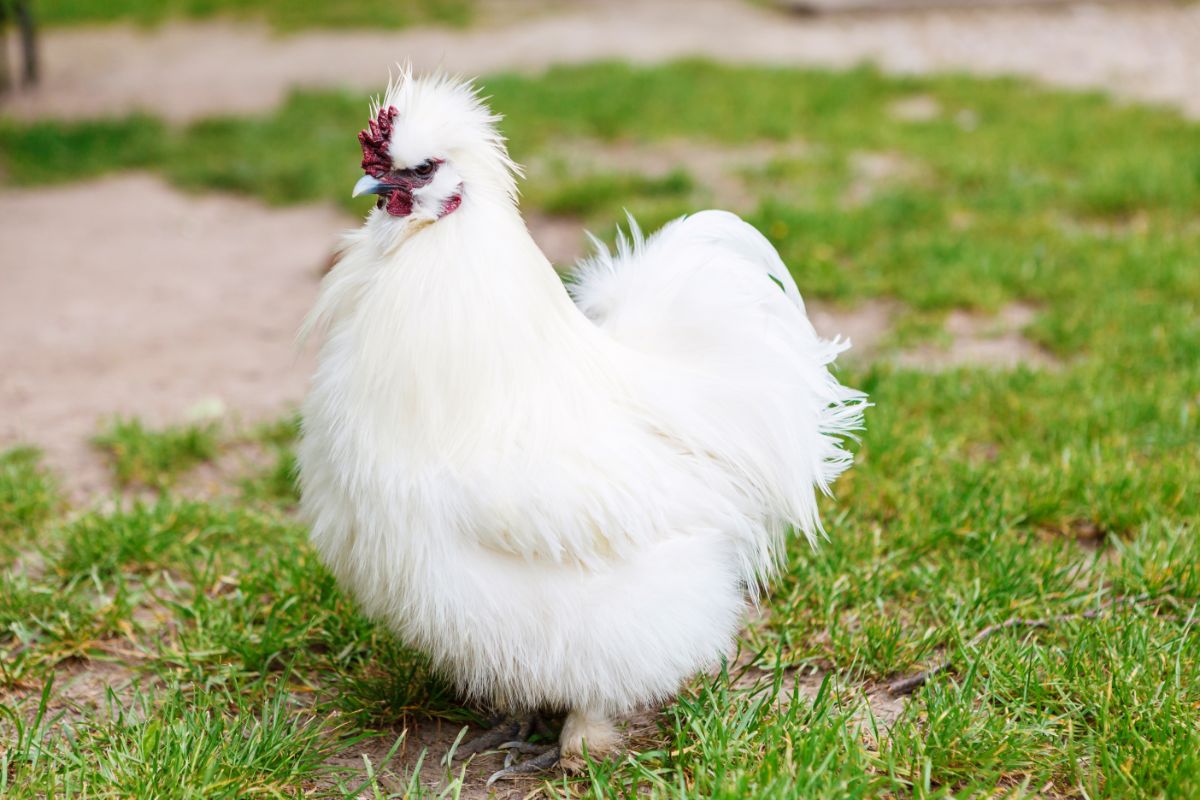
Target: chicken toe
506,731
546,759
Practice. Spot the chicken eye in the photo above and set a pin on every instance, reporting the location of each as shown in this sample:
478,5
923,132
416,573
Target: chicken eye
424,169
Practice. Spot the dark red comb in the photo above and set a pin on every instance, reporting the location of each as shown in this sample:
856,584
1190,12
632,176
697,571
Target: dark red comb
374,141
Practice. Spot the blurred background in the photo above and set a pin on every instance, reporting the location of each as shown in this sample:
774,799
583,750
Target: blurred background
176,171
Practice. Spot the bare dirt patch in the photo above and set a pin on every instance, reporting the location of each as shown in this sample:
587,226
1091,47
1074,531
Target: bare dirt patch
872,706
979,340
425,743
237,460
187,70
81,692
561,238
915,108
84,686
969,339
865,325
870,173
154,303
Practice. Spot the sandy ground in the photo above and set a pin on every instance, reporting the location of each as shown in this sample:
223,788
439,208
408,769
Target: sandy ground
1144,51
153,303
161,305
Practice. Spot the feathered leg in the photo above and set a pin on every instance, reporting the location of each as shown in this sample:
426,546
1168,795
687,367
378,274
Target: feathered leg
586,728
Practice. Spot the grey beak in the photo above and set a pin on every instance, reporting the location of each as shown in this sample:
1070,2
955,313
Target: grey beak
366,185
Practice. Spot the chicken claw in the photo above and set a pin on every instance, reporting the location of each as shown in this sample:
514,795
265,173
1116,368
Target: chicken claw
547,758
520,747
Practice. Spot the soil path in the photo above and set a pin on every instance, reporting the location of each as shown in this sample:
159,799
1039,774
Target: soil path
153,303
1145,51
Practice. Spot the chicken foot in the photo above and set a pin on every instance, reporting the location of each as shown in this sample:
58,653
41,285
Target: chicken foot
584,730
512,736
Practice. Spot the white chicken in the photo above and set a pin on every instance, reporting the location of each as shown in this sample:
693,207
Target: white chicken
564,497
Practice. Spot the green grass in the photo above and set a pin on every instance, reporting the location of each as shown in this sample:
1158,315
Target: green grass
965,507
28,494
285,15
249,667
155,458
589,195
277,484
214,743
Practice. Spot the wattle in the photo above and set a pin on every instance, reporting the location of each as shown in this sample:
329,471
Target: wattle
399,203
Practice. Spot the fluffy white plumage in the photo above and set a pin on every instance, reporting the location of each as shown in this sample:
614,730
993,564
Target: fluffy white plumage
563,499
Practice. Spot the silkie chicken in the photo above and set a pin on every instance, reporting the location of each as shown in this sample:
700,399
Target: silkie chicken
564,494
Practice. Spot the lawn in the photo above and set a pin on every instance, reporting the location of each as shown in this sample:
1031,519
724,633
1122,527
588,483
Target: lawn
1064,494
282,15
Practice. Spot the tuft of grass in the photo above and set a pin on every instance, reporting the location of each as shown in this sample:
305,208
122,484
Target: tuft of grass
177,743
29,495
145,457
167,534
282,432
276,485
